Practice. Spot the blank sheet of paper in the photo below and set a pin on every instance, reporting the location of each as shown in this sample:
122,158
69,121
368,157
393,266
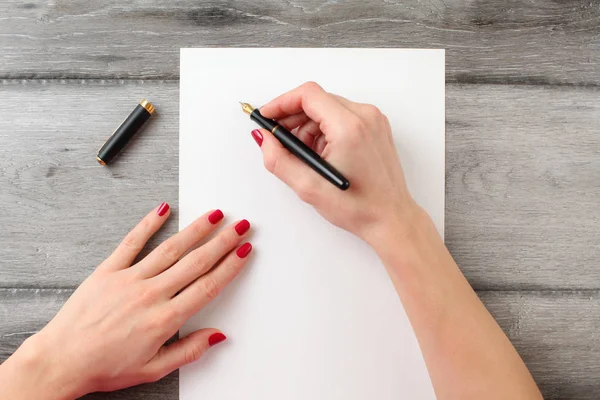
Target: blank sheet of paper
314,314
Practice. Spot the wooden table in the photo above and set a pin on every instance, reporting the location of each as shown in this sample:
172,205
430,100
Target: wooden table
522,131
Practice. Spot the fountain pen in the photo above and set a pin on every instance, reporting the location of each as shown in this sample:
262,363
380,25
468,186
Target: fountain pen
298,148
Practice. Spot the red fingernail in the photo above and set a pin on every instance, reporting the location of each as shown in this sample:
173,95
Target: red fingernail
162,209
216,338
215,216
258,137
244,250
242,227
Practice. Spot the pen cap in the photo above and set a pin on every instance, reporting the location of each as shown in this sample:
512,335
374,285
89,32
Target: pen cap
125,132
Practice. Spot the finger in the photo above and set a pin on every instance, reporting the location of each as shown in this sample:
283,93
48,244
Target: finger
291,122
313,100
197,295
201,260
136,239
182,352
319,145
289,169
308,132
169,251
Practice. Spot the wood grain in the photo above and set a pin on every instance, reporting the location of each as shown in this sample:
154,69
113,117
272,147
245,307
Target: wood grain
522,188
53,186
487,41
556,333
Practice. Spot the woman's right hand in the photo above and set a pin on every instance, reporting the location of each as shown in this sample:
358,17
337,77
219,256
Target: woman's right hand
356,139
443,309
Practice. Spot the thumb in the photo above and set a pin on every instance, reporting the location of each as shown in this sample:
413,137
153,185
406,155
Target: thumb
182,352
288,168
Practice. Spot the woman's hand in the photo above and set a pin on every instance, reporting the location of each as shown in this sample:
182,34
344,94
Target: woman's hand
111,333
443,309
356,139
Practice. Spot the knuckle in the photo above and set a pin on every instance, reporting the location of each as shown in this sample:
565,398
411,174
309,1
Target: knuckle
270,162
193,353
224,240
168,251
147,294
355,126
305,195
372,111
209,287
130,276
354,140
386,120
312,86
198,264
131,242
356,130
198,227
162,326
153,327
144,226
170,316
305,191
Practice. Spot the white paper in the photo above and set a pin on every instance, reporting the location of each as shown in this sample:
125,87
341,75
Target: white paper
314,314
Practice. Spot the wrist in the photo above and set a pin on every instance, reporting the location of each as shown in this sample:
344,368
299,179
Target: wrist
409,246
34,372
399,230
414,254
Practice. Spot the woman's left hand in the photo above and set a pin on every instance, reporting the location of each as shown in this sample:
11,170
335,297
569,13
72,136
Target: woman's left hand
111,333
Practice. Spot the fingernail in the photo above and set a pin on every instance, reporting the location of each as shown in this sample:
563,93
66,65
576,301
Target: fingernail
244,250
216,338
242,227
162,209
258,137
215,216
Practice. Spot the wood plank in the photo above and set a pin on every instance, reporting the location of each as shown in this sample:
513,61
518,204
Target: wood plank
535,42
522,185
555,333
65,213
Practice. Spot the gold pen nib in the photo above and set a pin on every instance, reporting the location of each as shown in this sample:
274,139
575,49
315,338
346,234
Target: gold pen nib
247,108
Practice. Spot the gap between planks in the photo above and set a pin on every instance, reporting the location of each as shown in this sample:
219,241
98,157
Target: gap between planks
101,80
563,291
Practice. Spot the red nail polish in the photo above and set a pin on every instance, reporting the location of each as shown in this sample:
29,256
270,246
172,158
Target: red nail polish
244,250
216,338
162,209
242,227
215,216
258,137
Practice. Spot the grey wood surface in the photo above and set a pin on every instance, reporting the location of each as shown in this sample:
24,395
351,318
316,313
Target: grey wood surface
522,159
488,41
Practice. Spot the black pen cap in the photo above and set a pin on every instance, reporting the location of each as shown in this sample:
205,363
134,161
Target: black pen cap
125,132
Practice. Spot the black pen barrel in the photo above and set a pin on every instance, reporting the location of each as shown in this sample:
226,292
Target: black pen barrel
302,151
305,153
266,123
